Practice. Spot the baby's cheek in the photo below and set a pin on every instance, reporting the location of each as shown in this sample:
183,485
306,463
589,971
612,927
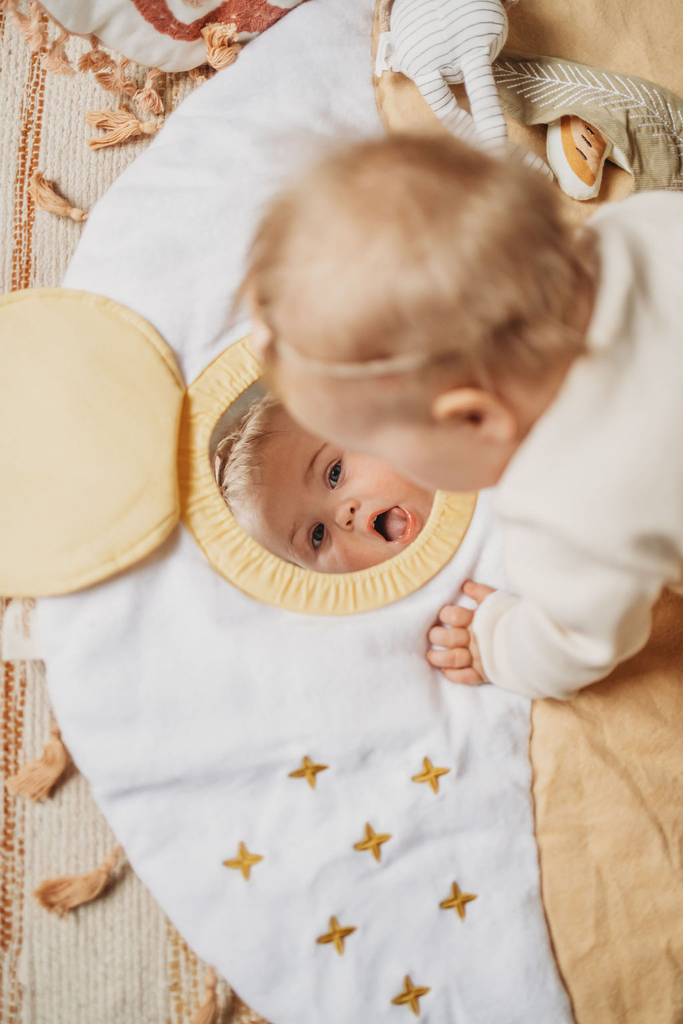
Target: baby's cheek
355,557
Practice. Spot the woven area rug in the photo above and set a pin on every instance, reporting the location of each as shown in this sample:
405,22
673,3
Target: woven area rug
117,960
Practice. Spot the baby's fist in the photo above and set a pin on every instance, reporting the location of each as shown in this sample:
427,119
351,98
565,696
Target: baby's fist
460,662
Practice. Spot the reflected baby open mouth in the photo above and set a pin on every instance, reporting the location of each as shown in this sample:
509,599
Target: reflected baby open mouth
395,524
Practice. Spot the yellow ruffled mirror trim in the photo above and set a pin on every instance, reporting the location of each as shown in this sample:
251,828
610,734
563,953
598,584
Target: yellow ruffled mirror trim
244,563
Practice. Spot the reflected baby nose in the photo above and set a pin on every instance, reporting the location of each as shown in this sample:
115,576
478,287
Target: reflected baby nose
346,513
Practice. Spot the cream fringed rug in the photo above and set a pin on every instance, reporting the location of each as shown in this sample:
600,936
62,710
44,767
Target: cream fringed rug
117,960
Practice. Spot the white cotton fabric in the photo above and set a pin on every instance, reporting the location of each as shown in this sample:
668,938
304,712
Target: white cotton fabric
187,704
592,503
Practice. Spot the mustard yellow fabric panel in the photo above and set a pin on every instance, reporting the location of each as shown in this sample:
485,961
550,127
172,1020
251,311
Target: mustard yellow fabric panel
89,412
237,557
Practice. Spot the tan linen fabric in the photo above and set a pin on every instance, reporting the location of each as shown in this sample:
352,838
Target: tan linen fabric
608,792
117,960
641,37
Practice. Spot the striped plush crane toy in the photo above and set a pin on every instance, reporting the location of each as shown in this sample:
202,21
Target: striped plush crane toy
438,43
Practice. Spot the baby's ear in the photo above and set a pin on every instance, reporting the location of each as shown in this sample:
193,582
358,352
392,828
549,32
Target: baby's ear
261,335
261,338
476,409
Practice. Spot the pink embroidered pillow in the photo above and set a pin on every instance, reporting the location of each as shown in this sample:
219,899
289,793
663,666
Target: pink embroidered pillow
168,34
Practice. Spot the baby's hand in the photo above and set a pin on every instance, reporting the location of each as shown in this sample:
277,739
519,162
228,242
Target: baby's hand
460,662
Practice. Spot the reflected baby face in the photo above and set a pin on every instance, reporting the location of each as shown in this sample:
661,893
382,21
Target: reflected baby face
327,509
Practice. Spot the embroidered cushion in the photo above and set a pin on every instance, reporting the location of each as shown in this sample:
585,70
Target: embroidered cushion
165,34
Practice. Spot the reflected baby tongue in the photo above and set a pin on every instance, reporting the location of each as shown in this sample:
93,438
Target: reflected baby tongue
392,524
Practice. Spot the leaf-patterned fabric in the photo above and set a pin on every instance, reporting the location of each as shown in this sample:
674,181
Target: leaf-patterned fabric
643,119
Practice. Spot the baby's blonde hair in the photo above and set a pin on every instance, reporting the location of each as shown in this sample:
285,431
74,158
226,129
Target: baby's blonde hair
237,455
418,243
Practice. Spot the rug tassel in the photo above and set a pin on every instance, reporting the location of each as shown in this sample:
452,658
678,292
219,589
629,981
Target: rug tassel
201,73
122,125
45,195
56,60
221,48
33,27
147,98
208,1011
62,894
37,778
95,59
116,80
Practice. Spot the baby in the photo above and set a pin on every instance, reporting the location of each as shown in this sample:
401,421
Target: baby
423,302
312,503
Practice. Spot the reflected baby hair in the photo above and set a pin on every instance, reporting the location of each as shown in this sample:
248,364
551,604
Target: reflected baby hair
237,455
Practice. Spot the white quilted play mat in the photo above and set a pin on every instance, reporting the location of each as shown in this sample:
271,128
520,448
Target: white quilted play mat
344,834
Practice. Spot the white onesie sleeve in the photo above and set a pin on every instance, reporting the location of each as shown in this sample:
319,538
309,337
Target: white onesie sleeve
605,613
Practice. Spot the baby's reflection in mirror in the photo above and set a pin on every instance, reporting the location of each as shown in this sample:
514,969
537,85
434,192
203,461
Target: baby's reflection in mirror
309,501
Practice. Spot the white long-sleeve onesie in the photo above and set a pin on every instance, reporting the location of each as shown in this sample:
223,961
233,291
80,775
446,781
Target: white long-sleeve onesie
592,503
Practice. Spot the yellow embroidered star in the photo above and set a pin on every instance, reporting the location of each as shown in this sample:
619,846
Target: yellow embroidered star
336,934
457,900
244,862
308,771
373,840
430,774
410,995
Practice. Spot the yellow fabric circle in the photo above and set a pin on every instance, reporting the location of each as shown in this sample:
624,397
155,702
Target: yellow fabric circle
242,561
89,414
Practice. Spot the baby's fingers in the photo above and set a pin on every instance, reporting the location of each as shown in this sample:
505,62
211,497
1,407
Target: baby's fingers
445,637
477,591
459,657
454,615
465,676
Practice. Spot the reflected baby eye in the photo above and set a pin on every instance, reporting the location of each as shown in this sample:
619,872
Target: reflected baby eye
318,535
334,474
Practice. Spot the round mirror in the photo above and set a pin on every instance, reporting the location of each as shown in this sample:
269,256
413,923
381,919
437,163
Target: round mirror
293,520
309,502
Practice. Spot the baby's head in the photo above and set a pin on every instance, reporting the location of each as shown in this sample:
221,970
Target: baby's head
310,502
419,300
